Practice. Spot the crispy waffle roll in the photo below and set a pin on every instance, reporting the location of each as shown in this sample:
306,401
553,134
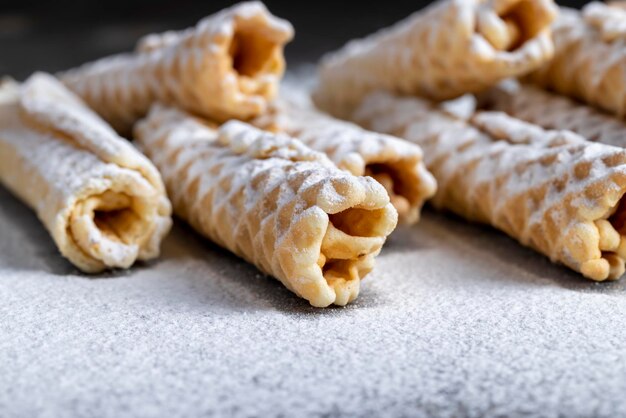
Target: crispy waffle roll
394,163
551,190
551,111
227,66
101,200
609,19
272,201
451,48
589,62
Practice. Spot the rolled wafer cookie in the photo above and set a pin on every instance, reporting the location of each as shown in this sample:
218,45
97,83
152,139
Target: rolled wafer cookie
550,190
552,111
609,19
451,48
102,201
227,66
272,201
393,162
590,60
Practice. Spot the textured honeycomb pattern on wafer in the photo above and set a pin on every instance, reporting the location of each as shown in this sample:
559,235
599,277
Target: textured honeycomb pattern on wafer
451,48
396,164
102,201
585,66
227,66
272,201
550,190
551,111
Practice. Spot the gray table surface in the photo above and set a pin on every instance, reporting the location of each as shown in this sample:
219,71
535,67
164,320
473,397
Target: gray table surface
457,320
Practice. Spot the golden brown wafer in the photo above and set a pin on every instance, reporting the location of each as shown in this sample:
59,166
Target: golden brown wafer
101,200
589,61
451,48
394,163
272,201
550,190
227,66
552,111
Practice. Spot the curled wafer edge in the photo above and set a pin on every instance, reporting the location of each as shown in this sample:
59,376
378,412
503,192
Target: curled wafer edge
272,201
102,201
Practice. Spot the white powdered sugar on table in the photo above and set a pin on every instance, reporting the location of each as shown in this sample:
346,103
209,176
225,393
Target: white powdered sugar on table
456,320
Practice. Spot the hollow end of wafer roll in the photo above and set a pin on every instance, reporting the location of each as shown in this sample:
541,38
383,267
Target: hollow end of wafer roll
508,24
333,245
601,245
312,226
254,52
103,203
110,228
408,186
394,163
353,238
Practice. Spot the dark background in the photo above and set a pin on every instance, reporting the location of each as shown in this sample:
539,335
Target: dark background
53,35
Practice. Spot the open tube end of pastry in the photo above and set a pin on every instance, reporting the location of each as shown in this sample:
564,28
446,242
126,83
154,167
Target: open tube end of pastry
353,238
334,244
587,232
110,226
508,24
118,211
597,245
607,239
408,184
399,168
255,50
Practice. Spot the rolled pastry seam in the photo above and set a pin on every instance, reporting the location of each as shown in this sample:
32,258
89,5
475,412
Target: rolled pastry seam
102,201
394,163
550,190
272,201
451,48
589,61
552,111
227,66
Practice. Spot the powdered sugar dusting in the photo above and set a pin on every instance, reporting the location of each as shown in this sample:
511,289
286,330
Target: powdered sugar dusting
408,57
585,66
354,149
552,111
57,155
536,185
192,69
265,197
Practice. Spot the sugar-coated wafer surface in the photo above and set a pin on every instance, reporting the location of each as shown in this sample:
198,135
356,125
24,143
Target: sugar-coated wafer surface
272,201
227,66
101,200
589,61
393,162
552,111
551,190
450,48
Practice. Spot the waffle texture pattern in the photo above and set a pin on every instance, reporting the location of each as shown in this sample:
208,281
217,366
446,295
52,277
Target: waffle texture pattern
272,201
590,58
396,164
451,48
552,111
551,190
227,66
102,201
